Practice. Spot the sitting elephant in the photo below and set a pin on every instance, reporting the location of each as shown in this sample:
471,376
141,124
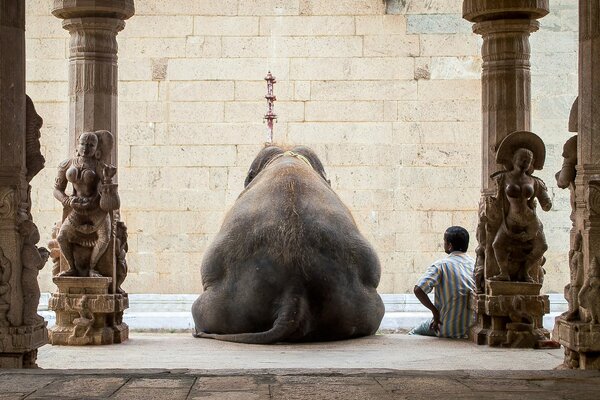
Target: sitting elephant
289,263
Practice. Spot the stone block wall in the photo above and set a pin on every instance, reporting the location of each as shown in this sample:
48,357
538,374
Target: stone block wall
387,93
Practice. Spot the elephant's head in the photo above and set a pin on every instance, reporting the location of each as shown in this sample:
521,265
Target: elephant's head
271,153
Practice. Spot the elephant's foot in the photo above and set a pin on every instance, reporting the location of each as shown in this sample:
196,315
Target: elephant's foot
204,335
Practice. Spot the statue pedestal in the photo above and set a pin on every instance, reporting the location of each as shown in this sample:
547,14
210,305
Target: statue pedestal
510,314
86,313
581,341
18,347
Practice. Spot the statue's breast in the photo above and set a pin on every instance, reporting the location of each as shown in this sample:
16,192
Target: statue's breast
80,175
519,191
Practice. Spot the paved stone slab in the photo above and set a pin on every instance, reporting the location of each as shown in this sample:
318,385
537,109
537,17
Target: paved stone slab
323,384
22,383
226,383
230,396
161,383
317,390
150,393
78,387
415,384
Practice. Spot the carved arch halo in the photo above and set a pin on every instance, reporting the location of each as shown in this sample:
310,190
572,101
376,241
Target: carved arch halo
105,144
521,140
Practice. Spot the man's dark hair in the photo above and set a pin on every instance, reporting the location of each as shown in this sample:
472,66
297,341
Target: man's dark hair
458,237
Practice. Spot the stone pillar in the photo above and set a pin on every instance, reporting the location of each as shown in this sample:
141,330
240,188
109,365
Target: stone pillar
93,26
505,26
509,313
22,331
93,244
579,330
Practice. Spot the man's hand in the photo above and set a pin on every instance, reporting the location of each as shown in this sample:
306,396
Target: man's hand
422,297
436,323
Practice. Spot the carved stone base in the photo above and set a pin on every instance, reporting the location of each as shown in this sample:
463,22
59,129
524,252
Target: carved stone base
18,345
86,313
510,315
581,341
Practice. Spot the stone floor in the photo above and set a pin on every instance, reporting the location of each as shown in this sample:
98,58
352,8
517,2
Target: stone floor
297,384
177,366
404,352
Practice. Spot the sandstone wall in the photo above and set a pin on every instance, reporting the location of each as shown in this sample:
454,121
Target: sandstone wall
389,100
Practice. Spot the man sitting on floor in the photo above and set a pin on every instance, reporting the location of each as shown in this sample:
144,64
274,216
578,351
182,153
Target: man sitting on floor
452,278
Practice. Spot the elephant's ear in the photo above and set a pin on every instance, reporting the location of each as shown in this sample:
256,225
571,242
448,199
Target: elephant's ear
249,177
314,161
261,160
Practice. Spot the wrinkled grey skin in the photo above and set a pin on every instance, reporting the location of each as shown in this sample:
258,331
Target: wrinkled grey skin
289,263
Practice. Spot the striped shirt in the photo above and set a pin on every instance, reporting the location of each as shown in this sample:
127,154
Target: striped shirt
452,278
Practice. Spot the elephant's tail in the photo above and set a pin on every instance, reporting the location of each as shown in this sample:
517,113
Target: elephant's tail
288,321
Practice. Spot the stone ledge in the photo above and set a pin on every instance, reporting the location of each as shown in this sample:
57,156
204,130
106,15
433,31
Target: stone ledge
172,311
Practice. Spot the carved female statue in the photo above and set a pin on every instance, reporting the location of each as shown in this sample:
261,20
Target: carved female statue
87,222
519,243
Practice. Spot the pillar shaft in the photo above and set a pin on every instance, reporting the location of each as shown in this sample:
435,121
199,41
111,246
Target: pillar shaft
588,150
589,87
22,331
506,85
13,186
578,331
93,71
93,77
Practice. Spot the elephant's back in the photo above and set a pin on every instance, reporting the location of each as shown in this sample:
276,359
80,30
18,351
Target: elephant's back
290,214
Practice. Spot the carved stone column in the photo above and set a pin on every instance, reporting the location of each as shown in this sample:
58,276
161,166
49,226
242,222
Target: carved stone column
93,243
93,25
22,331
579,331
510,313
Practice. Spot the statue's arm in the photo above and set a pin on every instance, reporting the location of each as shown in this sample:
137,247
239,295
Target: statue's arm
499,179
60,184
542,195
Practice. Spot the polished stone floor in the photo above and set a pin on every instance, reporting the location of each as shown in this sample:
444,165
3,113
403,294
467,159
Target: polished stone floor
399,351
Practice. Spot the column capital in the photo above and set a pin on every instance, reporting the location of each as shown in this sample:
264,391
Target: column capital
488,10
506,26
93,23
119,9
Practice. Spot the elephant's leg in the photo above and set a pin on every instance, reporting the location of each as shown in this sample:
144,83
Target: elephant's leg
287,322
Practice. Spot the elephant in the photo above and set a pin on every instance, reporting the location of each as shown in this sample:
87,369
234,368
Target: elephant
289,263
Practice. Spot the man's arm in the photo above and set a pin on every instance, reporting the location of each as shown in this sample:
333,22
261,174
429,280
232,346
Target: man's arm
424,299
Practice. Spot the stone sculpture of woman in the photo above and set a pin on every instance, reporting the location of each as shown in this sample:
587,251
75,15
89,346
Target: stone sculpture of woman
519,242
87,222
